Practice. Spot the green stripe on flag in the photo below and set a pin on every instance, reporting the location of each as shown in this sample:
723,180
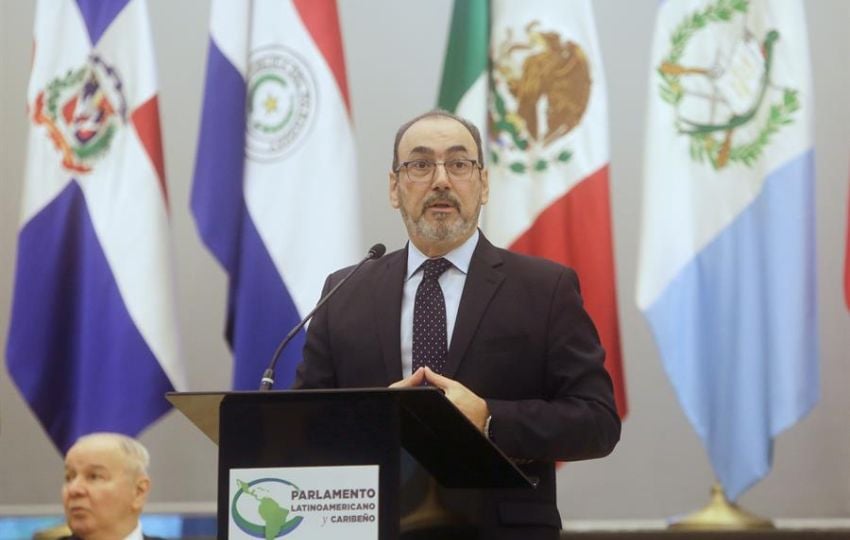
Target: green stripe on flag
466,56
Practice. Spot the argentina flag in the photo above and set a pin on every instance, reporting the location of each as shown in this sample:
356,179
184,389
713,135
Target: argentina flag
727,276
274,194
93,340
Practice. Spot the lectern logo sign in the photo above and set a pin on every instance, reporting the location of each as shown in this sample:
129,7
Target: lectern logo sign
303,503
264,497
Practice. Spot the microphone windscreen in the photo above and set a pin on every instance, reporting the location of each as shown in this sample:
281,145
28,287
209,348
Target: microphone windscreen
377,251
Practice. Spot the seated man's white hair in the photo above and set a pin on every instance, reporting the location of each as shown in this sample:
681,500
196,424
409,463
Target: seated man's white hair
137,455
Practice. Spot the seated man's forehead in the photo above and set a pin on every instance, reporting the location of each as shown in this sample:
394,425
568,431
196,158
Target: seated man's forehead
87,467
95,452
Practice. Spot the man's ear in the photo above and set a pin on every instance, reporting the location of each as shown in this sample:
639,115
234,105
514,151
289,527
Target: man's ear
394,201
142,488
485,186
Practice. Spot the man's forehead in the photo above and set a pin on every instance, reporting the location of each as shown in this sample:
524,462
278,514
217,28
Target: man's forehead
436,134
427,150
94,452
83,465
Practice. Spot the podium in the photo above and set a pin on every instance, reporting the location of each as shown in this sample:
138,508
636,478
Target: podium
324,431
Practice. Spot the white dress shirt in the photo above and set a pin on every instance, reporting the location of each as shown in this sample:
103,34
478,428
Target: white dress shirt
137,533
451,282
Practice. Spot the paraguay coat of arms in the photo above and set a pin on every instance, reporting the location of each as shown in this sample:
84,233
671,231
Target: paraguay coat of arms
281,102
731,107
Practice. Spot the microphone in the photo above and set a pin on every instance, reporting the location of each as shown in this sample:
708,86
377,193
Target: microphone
375,252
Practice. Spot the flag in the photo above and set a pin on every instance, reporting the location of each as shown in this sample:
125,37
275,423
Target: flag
93,341
539,99
727,252
274,194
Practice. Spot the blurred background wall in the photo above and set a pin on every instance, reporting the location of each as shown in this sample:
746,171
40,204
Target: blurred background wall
394,51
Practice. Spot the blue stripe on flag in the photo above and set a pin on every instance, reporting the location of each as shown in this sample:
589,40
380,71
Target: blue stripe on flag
260,313
260,309
99,14
737,328
217,195
73,350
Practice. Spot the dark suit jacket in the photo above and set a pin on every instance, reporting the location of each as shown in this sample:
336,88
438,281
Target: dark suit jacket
521,340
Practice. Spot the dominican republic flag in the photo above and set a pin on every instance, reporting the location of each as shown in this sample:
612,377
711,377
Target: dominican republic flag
93,342
727,252
541,108
274,195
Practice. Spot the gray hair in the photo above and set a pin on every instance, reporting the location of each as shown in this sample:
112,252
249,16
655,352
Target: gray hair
438,113
134,452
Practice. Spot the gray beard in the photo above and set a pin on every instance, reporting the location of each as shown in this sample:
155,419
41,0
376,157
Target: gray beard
443,231
439,231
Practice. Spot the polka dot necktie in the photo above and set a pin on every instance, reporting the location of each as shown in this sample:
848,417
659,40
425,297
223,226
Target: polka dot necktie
429,318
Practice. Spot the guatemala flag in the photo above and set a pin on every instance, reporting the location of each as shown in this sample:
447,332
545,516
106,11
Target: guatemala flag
727,255
93,339
274,195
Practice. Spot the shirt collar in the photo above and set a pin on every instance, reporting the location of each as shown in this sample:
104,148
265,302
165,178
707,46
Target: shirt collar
137,533
459,256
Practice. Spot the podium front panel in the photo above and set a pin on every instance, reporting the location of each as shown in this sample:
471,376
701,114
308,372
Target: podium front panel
312,429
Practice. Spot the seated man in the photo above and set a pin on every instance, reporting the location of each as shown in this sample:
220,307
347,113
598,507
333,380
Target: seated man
106,486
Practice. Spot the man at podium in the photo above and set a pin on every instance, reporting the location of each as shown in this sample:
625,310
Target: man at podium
504,335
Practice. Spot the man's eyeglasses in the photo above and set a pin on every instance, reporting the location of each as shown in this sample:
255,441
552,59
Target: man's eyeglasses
423,170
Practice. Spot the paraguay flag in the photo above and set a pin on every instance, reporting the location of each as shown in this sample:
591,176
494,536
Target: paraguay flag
727,253
529,74
274,194
93,339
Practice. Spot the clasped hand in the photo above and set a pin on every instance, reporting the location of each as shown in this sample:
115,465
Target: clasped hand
472,406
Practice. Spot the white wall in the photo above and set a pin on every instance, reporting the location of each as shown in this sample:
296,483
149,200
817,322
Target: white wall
394,54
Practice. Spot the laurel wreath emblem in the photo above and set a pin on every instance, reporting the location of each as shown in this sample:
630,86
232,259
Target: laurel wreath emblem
713,141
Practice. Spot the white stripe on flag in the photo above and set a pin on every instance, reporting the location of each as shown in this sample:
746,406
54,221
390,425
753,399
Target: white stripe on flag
307,198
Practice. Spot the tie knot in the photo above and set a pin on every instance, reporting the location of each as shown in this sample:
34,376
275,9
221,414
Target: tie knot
434,268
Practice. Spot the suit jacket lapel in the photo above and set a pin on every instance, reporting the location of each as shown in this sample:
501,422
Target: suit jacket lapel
482,282
387,290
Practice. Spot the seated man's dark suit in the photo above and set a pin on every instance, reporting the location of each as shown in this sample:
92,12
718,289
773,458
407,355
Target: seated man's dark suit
522,341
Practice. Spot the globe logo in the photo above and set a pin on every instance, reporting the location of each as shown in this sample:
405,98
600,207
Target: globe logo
257,510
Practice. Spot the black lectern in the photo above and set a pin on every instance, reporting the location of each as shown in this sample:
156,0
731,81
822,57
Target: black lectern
326,428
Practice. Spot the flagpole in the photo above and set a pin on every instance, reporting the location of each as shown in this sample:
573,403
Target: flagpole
720,513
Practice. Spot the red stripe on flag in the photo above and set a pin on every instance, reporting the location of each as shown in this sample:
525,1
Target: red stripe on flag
321,19
576,231
146,121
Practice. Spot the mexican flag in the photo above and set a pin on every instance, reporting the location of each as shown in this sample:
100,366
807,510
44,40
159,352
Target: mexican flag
529,75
